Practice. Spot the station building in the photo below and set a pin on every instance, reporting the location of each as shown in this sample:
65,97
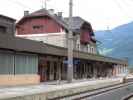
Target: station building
37,51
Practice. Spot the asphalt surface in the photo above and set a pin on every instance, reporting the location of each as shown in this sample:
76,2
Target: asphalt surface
22,91
116,94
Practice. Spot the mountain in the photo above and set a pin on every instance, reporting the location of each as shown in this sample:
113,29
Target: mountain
117,42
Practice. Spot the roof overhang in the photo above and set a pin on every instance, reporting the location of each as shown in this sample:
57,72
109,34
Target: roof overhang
25,45
8,18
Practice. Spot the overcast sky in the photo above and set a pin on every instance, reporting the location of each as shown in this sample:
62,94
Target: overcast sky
100,13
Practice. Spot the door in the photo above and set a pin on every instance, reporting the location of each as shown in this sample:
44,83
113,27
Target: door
43,73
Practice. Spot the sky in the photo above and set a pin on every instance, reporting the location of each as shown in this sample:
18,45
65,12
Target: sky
102,14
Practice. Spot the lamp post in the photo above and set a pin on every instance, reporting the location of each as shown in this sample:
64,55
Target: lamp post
70,45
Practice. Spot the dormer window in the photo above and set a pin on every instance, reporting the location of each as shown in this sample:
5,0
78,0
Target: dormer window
37,26
3,29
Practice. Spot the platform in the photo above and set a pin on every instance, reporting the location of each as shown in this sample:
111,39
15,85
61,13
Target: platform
46,91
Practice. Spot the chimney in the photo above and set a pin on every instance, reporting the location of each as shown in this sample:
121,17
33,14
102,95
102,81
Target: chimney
26,13
59,14
51,11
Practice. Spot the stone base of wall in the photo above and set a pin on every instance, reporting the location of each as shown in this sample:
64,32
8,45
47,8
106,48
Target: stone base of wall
10,80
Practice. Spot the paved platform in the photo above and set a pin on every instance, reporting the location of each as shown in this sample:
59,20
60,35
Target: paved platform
45,91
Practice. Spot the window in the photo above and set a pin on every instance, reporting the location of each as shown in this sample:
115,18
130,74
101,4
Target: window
6,63
89,48
78,46
92,50
2,29
37,26
18,64
26,64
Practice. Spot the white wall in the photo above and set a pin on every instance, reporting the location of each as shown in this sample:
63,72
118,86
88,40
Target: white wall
60,39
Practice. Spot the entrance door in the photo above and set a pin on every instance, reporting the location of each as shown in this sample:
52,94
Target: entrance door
43,73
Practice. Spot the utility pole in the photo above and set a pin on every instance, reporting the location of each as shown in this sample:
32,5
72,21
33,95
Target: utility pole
70,45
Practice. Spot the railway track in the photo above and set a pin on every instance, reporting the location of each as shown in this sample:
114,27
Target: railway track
86,94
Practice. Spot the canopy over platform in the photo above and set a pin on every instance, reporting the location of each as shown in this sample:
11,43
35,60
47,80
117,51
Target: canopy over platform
25,45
